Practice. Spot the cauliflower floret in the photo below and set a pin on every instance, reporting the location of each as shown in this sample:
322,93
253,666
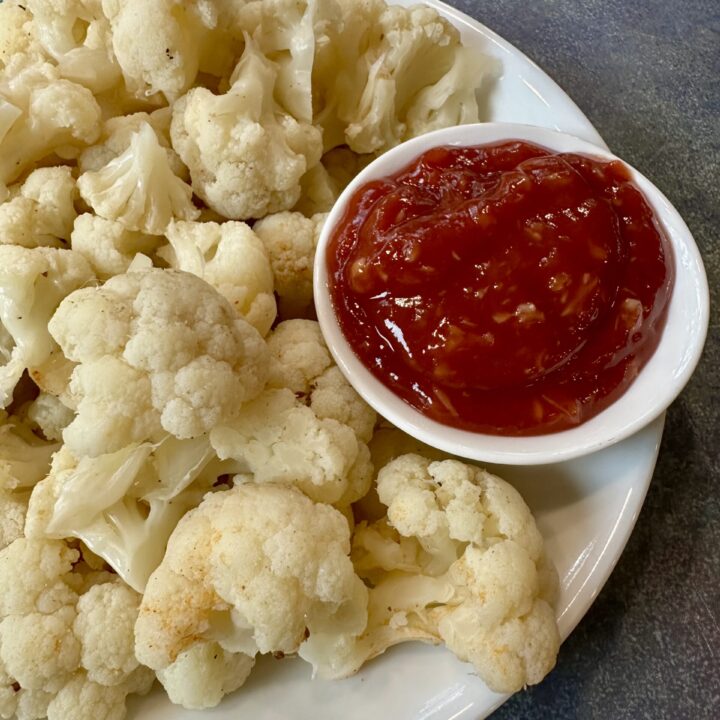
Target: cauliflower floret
139,188
246,155
117,134
41,114
13,507
233,260
18,40
321,185
254,569
291,239
203,674
76,35
49,416
108,650
124,505
82,699
298,355
459,560
283,441
33,282
41,211
107,245
24,461
57,628
382,59
157,43
301,362
181,359
24,458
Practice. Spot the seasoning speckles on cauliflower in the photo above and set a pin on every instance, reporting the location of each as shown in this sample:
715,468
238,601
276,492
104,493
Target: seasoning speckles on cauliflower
254,568
158,351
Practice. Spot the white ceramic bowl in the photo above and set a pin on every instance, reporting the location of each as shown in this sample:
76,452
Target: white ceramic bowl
656,386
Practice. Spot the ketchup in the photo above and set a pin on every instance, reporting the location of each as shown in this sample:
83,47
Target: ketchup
503,289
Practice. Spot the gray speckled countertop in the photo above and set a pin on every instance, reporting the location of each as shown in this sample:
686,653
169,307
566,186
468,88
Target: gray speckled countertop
647,74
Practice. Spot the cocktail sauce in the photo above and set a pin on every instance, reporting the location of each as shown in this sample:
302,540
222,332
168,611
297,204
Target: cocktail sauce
503,289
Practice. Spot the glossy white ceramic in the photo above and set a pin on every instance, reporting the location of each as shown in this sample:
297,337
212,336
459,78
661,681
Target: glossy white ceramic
586,509
657,384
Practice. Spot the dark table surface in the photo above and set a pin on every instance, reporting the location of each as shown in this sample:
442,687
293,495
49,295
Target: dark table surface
647,74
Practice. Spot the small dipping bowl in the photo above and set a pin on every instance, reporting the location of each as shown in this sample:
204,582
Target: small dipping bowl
659,382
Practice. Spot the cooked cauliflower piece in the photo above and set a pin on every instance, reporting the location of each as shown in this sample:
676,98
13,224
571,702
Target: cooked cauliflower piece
384,68
32,283
158,350
139,188
65,635
321,185
203,674
301,362
246,155
459,560
308,428
107,245
40,212
41,114
125,504
47,415
18,40
117,134
24,458
158,42
281,440
76,34
253,569
298,355
233,260
291,239
13,508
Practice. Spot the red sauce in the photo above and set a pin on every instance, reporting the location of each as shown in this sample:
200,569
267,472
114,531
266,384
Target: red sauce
503,289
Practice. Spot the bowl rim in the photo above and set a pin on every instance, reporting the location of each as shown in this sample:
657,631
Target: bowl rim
690,285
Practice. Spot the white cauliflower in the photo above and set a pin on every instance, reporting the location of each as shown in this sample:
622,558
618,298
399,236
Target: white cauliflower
291,239
308,428
301,362
459,560
233,260
281,440
41,211
157,43
76,34
321,185
65,633
139,188
24,458
298,355
253,569
41,114
32,283
203,674
246,155
382,58
123,505
159,351
18,40
117,134
107,245
47,416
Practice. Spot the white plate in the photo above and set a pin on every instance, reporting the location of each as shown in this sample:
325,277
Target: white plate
586,510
